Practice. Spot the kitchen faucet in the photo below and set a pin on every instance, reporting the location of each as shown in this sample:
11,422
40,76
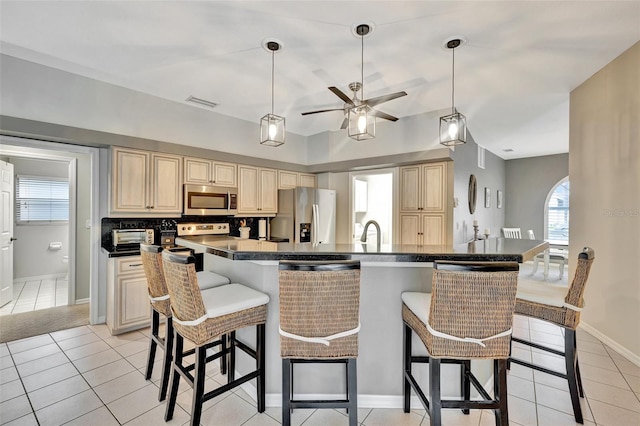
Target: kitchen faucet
363,238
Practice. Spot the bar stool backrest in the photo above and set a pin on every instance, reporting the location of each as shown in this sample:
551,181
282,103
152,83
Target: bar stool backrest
319,299
156,285
186,298
472,300
575,293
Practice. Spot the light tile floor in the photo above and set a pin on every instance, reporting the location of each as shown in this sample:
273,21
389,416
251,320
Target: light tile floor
34,294
85,376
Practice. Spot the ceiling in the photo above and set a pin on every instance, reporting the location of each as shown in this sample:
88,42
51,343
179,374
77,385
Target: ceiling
513,75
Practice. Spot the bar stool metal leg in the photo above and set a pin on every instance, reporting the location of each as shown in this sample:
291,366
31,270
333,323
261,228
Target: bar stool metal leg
168,357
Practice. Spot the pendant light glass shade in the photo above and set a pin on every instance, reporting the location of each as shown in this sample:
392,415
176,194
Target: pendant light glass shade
453,127
362,123
272,131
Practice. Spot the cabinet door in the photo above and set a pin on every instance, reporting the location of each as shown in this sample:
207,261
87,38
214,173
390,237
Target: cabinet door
434,184
197,171
308,180
129,188
166,184
410,189
268,191
433,229
287,179
225,174
409,229
134,307
248,189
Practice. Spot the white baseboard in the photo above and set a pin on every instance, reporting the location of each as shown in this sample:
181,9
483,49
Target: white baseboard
82,301
611,343
40,277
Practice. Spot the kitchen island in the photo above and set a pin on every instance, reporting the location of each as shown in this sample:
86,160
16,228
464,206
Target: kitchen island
386,272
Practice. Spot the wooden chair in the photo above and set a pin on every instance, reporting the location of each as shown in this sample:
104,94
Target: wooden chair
161,306
560,306
468,315
205,318
319,323
556,256
511,232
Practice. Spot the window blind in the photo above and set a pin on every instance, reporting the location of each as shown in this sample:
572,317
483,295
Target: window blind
41,199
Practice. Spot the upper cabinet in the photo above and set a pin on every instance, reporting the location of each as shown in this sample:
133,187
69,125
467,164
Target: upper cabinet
145,182
200,171
257,190
288,179
423,188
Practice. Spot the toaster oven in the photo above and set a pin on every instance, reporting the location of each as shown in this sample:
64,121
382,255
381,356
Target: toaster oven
132,237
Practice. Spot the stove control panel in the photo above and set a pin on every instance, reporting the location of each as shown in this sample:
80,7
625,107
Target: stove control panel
203,229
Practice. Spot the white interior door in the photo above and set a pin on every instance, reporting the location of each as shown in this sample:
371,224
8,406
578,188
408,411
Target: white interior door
6,232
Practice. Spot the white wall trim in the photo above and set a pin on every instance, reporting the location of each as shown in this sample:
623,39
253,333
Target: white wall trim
83,301
626,353
38,278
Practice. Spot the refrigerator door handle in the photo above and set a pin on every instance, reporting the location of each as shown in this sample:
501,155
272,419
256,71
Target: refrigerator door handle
316,226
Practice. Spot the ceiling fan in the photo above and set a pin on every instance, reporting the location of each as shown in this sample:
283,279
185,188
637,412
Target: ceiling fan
361,30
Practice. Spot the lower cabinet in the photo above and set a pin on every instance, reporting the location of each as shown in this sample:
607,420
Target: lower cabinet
423,229
128,306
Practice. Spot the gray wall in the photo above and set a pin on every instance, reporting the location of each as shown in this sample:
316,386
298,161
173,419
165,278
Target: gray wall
604,169
465,163
31,254
528,183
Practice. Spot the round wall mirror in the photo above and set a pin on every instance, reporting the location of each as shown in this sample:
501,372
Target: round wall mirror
472,194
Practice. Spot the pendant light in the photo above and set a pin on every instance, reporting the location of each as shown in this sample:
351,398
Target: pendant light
362,122
453,127
272,130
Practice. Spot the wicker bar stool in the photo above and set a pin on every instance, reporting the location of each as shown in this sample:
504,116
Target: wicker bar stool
560,306
468,315
160,305
204,318
319,323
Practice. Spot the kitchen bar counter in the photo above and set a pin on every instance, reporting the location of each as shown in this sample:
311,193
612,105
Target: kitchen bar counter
385,274
493,249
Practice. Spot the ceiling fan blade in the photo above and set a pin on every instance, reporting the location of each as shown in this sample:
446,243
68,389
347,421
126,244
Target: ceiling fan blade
380,114
322,110
339,93
345,123
384,98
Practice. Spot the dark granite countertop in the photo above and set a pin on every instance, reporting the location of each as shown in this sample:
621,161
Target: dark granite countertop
493,249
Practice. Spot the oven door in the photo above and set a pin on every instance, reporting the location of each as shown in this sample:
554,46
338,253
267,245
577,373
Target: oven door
205,200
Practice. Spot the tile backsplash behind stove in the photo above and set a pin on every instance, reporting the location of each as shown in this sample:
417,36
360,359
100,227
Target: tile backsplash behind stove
158,224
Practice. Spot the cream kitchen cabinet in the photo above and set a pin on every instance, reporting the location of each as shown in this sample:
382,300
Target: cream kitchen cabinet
423,188
146,183
288,179
201,171
128,305
257,190
423,228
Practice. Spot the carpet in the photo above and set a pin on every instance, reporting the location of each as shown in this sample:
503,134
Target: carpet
28,324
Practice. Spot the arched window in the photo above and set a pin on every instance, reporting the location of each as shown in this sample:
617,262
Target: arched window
557,212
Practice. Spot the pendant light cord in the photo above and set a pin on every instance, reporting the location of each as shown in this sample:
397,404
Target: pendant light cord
453,78
273,53
362,67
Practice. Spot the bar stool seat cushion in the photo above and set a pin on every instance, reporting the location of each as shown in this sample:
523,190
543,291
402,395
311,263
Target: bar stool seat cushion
418,303
208,279
230,298
545,294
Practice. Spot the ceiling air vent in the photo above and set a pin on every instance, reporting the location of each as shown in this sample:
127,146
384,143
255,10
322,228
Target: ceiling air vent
200,101
508,150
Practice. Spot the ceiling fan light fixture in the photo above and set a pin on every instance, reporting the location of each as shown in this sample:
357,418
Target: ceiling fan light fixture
453,127
272,127
362,123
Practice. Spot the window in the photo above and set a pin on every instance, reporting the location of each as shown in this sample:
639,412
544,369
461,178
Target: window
41,200
558,212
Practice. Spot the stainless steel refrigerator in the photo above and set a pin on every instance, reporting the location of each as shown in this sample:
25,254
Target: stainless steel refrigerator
305,215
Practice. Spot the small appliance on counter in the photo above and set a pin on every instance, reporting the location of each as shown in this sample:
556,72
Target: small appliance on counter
125,238
168,233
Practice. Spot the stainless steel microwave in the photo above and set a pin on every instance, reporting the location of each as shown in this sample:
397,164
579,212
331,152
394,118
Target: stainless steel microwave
206,200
